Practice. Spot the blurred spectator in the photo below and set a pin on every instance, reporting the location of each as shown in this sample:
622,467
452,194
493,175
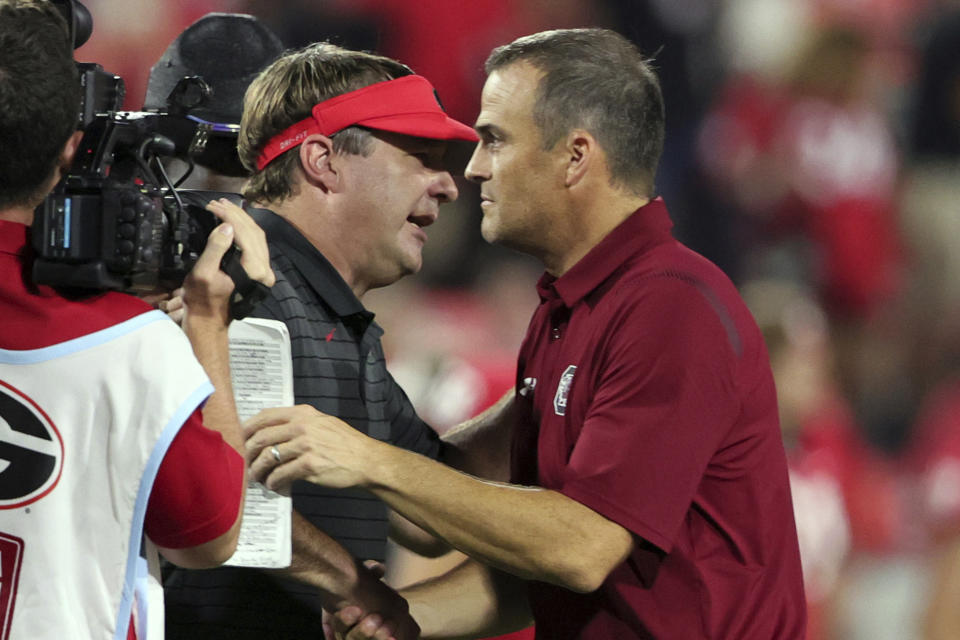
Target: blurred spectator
879,535
931,200
807,156
813,163
844,495
841,172
933,464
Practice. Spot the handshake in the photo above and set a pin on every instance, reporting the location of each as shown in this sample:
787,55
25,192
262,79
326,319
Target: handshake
284,445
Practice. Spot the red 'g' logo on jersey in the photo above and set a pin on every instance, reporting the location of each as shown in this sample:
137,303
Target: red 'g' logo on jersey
31,450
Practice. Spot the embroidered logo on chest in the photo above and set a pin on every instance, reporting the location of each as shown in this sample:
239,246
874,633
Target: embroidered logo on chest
560,399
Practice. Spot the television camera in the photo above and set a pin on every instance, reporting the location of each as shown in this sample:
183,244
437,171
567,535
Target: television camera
117,220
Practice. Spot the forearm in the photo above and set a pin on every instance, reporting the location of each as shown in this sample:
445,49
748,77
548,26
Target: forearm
206,303
527,531
415,539
469,601
320,561
211,346
481,446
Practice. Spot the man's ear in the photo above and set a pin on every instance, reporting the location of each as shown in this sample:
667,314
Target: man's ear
69,151
581,151
318,162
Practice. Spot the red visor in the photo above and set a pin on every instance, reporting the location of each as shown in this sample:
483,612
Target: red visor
407,105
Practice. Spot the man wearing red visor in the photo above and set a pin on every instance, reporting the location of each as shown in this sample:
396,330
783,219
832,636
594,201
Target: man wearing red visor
351,156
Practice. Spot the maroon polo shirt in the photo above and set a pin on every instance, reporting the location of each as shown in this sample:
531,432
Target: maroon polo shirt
646,394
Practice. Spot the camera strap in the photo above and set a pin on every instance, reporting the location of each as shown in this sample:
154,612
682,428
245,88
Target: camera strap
247,292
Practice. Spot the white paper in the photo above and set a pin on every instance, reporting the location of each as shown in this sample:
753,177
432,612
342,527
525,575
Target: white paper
261,369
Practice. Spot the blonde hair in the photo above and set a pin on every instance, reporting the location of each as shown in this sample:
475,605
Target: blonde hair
285,93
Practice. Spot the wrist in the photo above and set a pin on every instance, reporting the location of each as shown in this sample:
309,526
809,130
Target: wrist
376,467
319,561
205,325
342,584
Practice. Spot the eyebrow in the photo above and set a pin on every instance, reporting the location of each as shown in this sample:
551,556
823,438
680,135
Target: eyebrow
489,130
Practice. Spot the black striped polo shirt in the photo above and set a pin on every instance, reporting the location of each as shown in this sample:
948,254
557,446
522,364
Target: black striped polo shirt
339,368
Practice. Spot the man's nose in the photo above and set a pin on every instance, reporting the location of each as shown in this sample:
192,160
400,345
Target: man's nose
478,169
444,188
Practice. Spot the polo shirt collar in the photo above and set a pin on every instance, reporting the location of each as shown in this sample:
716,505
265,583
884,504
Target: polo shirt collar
322,276
644,229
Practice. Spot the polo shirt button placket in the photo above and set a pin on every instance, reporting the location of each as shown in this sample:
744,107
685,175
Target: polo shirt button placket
557,313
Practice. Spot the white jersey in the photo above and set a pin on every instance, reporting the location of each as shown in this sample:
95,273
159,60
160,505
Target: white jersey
84,425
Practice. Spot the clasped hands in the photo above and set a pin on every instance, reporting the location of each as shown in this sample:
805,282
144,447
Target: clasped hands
287,444
350,617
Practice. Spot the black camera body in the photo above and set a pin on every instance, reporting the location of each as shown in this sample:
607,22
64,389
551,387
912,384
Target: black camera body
116,220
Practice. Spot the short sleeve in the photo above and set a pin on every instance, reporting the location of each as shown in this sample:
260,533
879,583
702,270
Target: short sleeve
664,399
198,489
407,429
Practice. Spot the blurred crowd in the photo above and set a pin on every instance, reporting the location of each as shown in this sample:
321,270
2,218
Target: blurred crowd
813,152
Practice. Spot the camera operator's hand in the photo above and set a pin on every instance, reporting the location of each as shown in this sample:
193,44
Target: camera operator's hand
173,305
207,289
206,302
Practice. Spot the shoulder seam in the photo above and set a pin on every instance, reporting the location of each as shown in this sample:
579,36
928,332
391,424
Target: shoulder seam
723,314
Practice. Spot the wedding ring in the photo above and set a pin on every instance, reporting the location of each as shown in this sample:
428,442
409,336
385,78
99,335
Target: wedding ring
275,452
